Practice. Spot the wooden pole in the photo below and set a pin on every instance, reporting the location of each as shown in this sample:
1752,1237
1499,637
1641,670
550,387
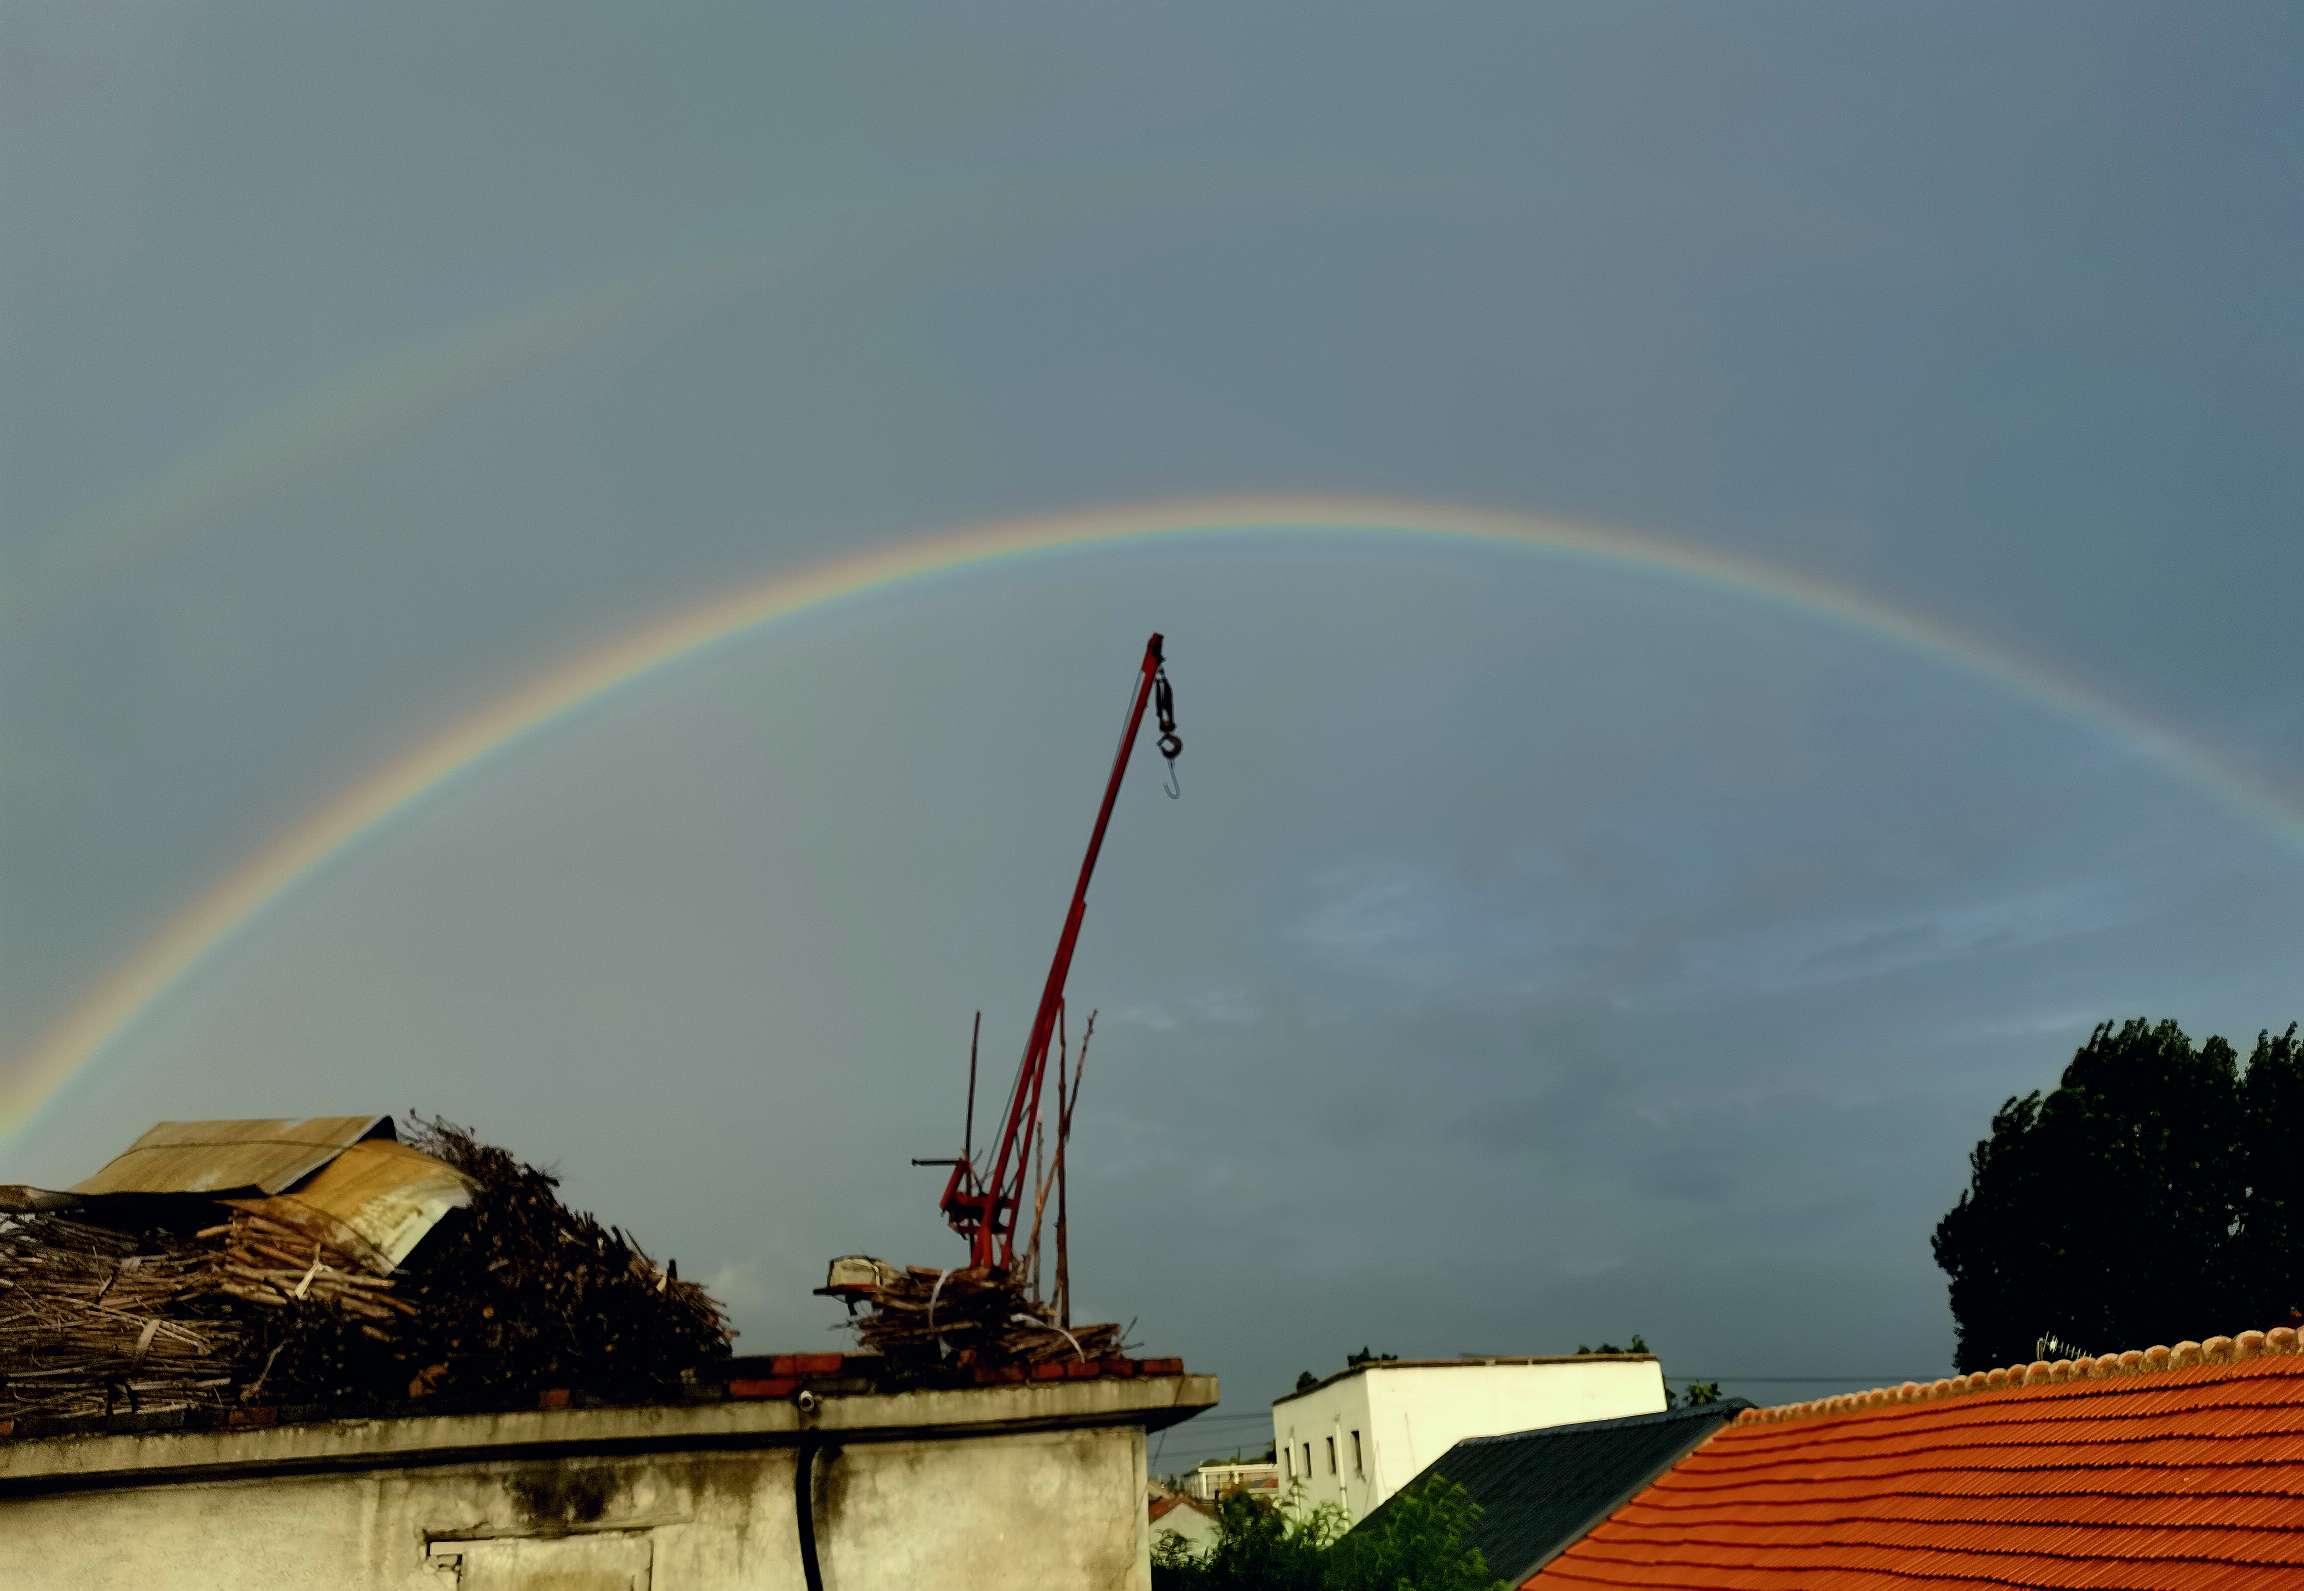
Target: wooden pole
1067,1098
1063,1137
968,1130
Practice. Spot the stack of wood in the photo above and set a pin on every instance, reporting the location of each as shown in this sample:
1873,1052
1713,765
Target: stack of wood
92,1315
924,1320
526,1293
970,1317
150,1306
270,1263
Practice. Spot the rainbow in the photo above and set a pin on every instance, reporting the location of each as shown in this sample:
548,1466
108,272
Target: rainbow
333,419
95,1024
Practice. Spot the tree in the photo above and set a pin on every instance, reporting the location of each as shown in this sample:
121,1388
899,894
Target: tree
1257,1548
1694,1395
2141,1201
1418,1545
1368,1356
1639,1344
1305,1380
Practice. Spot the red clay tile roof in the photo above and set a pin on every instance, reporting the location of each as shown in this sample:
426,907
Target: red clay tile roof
1162,1507
2155,1471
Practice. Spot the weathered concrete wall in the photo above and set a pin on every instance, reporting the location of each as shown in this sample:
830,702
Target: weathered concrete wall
559,1502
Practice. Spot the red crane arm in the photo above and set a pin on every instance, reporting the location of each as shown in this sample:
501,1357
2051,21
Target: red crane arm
985,1213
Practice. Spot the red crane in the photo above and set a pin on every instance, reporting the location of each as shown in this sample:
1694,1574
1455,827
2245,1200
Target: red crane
983,1207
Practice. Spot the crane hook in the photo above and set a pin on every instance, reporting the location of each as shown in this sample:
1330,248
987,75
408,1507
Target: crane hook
1171,743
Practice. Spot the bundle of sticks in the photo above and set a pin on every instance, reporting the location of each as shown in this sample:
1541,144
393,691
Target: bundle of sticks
92,1317
527,1293
976,1315
270,1263
983,1315
141,1307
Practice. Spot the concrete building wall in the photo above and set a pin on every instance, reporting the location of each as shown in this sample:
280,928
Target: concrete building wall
1307,1428
998,1487
1388,1421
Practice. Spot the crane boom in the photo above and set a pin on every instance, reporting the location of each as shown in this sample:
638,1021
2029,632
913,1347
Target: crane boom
984,1208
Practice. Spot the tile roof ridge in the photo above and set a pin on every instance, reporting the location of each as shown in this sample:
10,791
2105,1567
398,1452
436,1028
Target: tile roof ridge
2278,1342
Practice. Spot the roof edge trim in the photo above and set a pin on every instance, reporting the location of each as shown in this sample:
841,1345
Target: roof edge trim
1479,1362
2279,1342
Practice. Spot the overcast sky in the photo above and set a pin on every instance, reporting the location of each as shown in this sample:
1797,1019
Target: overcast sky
1540,951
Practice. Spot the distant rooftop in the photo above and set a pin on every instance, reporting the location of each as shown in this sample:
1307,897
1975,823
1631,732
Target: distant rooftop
2160,1470
1540,1490
1469,1362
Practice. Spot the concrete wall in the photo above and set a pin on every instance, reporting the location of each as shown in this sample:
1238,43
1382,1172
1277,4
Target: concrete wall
993,1487
1303,1428
1406,1415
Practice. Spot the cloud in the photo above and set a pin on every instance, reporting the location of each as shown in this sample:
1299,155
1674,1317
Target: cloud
1216,1005
1225,1006
741,1287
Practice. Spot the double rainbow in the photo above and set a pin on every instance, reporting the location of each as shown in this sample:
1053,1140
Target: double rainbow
95,1025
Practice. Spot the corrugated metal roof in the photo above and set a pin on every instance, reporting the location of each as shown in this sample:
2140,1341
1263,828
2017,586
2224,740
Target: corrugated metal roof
2080,1474
1539,1490
375,1200
17,1198
221,1157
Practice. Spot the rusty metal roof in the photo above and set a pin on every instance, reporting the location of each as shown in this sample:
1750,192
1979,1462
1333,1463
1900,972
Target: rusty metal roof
376,1200
225,1157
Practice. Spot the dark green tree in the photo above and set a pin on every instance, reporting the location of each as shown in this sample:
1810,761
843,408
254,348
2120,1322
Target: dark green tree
1417,1545
1257,1548
1305,1379
2144,1200
2270,1254
1368,1356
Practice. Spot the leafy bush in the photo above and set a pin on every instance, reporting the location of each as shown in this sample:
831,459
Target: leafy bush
1418,1546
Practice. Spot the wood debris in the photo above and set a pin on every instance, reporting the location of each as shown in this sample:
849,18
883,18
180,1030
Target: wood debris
970,1317
152,1305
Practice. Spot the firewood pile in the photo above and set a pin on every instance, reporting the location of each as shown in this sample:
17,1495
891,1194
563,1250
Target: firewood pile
973,1316
529,1294
91,1313
150,1306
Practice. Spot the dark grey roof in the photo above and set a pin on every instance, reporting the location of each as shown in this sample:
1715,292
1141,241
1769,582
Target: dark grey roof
1540,1491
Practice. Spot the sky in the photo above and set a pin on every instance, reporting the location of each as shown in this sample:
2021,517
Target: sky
1543,949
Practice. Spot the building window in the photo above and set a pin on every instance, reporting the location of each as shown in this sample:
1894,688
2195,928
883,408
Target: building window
1307,1460
1288,1462
1359,1464
1331,1455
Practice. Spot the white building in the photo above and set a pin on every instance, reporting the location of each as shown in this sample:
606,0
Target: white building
1212,1480
1365,1432
1192,1522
